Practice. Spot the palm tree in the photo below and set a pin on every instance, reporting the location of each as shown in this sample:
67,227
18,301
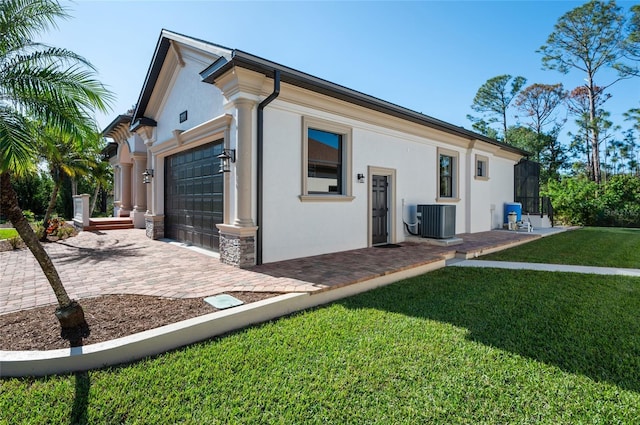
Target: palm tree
40,84
66,157
101,174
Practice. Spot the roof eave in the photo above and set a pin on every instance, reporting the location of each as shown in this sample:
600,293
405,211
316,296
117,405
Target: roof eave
300,79
119,120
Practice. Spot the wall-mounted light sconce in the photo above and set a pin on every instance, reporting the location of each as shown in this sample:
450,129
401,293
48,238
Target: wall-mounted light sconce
360,178
226,158
147,175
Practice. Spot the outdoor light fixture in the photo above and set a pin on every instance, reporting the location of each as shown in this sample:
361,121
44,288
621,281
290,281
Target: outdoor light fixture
360,178
226,158
147,175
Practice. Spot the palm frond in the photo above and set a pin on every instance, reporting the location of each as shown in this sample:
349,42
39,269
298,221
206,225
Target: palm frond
52,86
17,151
29,18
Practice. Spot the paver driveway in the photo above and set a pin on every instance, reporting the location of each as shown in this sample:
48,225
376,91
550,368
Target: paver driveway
127,262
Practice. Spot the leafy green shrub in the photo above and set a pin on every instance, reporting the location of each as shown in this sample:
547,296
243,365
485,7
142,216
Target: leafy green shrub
15,242
39,229
65,231
574,200
29,215
58,228
579,201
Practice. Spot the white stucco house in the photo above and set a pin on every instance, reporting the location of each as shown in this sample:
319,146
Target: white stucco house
311,167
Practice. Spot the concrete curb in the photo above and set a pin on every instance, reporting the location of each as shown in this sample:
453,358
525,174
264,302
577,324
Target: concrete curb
169,337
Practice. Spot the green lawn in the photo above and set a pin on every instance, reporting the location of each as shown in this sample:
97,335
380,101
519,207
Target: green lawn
8,233
590,246
458,345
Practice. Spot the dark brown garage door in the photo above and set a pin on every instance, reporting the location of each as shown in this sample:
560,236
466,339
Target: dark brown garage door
194,196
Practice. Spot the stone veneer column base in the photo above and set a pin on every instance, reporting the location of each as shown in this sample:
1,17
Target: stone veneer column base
154,225
237,245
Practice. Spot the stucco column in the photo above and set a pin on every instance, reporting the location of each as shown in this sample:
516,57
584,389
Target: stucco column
116,186
244,163
237,240
149,191
125,179
140,207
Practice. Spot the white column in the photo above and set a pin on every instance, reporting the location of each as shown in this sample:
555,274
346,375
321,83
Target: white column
139,165
125,178
149,192
140,207
116,186
244,163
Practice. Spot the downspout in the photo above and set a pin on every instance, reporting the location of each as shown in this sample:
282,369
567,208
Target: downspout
261,106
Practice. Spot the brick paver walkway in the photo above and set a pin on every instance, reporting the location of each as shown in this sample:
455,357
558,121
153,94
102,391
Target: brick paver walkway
127,262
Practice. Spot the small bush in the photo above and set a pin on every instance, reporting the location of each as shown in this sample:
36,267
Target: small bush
15,242
53,225
39,229
65,231
29,215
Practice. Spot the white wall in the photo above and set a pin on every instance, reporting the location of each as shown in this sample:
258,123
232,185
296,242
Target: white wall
187,93
501,173
478,195
293,228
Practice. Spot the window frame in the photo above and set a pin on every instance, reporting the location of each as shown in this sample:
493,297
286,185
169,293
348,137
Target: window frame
346,160
455,175
485,160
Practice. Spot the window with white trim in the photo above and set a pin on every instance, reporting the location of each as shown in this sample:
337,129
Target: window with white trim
326,168
447,174
324,162
482,167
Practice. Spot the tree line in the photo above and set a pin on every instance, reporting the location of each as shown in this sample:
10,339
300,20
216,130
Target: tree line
594,41
595,178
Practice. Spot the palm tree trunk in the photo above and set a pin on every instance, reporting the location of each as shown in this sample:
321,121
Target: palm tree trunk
95,199
51,206
69,312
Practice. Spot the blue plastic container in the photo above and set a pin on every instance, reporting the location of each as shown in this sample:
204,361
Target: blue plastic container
512,207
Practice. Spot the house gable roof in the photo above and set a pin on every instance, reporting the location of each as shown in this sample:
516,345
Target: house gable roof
160,54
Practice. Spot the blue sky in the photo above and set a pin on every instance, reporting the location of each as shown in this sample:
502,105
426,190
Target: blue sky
429,56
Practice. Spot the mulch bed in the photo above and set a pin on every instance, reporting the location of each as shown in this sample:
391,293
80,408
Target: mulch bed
108,316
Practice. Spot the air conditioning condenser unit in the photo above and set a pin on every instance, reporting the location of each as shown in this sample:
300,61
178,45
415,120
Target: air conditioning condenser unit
437,221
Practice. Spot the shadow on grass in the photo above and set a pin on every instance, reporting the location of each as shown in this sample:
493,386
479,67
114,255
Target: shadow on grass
81,395
81,398
583,324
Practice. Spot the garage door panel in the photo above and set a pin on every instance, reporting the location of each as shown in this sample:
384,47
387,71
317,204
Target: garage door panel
194,196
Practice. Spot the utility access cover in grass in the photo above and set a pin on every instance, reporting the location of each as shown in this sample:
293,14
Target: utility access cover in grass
223,301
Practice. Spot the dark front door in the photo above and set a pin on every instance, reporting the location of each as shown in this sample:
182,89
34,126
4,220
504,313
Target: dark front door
193,201
379,209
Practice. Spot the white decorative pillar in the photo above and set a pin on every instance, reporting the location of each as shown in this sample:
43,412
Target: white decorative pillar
125,178
81,211
149,187
237,240
140,207
244,163
116,190
153,217
243,89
